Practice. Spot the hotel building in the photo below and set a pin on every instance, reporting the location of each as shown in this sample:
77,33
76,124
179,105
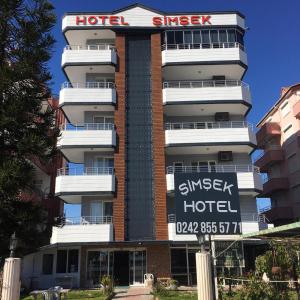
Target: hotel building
278,137
148,94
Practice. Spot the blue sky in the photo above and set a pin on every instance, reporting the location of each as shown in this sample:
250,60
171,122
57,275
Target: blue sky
272,42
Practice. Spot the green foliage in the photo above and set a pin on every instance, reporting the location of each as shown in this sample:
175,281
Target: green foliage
25,49
108,285
160,290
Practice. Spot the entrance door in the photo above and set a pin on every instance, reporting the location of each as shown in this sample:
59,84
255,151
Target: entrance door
121,268
137,267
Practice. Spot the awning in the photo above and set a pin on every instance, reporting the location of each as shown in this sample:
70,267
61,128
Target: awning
284,232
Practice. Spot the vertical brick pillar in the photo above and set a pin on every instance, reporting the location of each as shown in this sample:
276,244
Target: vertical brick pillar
159,260
119,156
161,226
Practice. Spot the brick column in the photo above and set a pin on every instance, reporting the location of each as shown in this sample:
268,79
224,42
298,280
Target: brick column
159,260
161,226
119,156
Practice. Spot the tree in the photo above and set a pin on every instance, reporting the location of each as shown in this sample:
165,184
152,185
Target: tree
25,49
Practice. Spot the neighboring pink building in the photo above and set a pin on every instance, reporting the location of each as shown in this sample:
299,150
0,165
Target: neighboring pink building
279,137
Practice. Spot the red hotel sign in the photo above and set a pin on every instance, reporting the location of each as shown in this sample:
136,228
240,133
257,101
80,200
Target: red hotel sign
156,21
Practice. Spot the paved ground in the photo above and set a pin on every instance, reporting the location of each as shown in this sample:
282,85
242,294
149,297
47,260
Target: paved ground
134,293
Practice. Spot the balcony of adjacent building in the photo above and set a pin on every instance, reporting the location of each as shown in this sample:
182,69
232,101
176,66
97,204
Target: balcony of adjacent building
267,132
248,176
83,229
273,185
296,110
279,215
204,97
78,138
75,98
73,183
209,137
250,222
270,156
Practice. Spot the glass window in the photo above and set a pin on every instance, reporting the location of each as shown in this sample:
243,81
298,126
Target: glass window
108,209
197,37
73,261
47,264
231,35
170,37
205,37
61,261
188,37
223,36
214,36
179,37
239,37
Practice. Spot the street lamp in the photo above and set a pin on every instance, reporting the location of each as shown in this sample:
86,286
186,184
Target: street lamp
13,244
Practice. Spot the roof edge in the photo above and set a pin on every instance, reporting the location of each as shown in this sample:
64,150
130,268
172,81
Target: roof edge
277,103
154,10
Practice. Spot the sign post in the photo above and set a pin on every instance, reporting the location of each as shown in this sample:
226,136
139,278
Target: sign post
206,203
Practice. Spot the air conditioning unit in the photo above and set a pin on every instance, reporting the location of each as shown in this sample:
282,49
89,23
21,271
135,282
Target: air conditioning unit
225,156
221,116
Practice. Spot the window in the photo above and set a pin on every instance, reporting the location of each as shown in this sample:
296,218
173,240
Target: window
285,108
287,129
67,261
170,37
188,37
179,37
47,264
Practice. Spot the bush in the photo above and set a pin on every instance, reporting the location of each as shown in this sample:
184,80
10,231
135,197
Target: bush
108,285
160,290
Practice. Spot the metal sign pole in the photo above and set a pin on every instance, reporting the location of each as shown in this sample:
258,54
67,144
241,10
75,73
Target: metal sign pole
203,269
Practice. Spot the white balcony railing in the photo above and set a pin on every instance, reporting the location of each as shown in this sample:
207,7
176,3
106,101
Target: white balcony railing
87,126
215,168
202,46
204,84
85,171
86,220
208,125
90,47
88,85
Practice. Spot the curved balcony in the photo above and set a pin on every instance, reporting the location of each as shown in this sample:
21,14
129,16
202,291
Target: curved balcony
248,176
79,59
75,139
270,156
266,132
228,59
209,137
75,98
73,183
76,229
187,98
275,184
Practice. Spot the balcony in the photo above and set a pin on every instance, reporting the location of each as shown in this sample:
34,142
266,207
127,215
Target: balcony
79,60
251,222
84,229
73,183
228,59
76,98
75,139
205,97
248,177
89,54
296,110
270,156
279,214
273,185
209,137
267,132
